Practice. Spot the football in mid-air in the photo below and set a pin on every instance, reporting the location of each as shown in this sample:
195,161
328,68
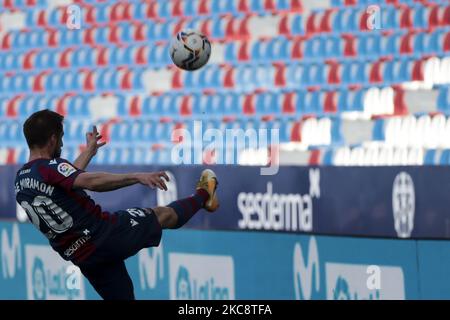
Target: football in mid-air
190,50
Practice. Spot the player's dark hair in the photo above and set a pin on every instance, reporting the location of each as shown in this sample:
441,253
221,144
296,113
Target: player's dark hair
40,126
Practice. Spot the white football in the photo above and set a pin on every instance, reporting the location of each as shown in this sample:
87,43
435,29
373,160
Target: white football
190,50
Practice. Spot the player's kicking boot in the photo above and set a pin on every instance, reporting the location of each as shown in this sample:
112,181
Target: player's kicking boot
208,181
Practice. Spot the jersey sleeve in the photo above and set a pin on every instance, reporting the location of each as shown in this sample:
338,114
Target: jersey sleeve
59,172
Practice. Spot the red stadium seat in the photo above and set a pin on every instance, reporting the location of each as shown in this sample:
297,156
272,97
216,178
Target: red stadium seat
280,74
349,45
204,7
325,24
406,45
177,9
330,103
102,56
28,61
288,103
65,58
39,80
249,104
334,70
186,106
296,135
447,42
446,17
376,75
229,78
418,70
152,10
400,107
243,54
6,41
42,19
406,18
243,6
311,25
433,18
135,106
298,48
12,106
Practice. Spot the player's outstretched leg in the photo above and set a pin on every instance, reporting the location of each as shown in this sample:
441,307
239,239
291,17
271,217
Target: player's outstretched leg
177,213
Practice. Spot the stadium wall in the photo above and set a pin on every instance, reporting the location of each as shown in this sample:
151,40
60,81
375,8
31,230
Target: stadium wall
389,202
195,264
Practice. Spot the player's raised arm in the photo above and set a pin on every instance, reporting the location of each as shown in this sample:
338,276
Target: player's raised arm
92,145
101,181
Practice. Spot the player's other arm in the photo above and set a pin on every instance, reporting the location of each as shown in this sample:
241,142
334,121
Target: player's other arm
92,145
102,181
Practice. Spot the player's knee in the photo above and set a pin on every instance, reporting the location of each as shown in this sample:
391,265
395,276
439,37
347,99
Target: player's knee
166,216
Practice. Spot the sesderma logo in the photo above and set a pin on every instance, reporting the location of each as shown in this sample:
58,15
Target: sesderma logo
201,277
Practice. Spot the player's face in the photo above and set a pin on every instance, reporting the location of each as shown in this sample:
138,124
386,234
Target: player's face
58,146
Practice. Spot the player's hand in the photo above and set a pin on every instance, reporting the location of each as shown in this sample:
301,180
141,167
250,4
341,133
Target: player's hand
92,141
154,179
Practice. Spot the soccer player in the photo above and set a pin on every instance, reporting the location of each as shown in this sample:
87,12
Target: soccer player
51,190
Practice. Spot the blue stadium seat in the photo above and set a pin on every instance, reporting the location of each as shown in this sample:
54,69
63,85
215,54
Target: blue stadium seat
445,157
419,18
22,155
78,106
336,134
107,79
71,37
83,57
102,12
369,44
232,104
231,52
268,103
278,49
149,106
209,77
429,158
283,5
14,133
294,75
378,130
20,83
312,102
213,106
148,131
328,156
46,59
297,25
355,101
218,27
418,45
312,47
332,46
191,8
11,61
256,6
390,18
443,99
164,9
121,132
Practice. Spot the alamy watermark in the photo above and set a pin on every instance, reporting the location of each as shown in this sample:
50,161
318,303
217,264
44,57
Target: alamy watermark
73,17
215,146
374,17
373,281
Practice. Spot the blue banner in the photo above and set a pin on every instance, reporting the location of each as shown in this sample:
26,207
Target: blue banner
195,264
404,202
